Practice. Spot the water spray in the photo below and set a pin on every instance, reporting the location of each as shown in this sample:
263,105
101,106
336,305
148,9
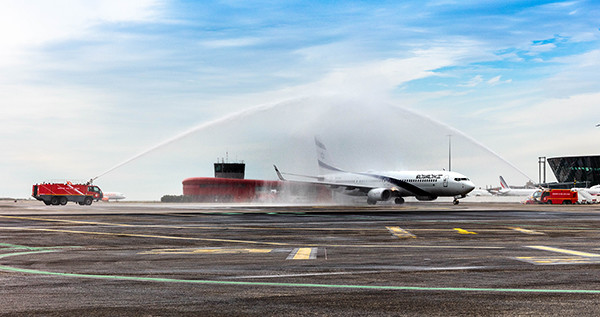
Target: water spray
265,107
469,138
229,117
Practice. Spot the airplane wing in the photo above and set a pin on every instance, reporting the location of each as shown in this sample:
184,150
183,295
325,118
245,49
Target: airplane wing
319,181
361,188
280,175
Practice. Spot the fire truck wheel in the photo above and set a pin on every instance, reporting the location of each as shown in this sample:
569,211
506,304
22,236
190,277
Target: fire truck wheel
63,200
54,200
46,202
88,200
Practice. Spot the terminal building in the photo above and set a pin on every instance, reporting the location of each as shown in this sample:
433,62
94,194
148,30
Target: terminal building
579,171
230,185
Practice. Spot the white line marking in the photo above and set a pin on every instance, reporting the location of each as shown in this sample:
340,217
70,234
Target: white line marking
527,231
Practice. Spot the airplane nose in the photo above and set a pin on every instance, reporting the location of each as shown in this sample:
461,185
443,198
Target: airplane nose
469,186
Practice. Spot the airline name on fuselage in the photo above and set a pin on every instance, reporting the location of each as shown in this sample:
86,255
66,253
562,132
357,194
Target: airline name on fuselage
429,176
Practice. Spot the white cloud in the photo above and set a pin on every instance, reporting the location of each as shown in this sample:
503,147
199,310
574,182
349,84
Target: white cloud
385,75
540,48
496,80
561,114
26,24
473,82
228,43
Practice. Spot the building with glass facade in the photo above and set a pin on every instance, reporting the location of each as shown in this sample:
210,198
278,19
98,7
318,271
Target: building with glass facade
582,170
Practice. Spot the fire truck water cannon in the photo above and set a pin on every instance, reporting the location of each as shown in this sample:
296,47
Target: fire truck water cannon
59,193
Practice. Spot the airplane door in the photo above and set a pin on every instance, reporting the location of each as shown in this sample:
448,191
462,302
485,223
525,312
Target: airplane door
446,181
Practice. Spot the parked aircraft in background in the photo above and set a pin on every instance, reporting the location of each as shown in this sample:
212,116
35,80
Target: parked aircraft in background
594,190
480,192
108,196
505,190
382,186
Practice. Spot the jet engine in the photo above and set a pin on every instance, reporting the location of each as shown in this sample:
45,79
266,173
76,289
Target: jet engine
379,194
426,198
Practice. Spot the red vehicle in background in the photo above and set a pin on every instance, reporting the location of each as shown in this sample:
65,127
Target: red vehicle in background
61,193
556,196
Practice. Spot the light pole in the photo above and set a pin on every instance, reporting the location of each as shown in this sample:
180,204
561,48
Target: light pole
449,152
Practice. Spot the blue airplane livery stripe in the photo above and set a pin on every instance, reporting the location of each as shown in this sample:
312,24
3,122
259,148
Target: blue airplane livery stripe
408,186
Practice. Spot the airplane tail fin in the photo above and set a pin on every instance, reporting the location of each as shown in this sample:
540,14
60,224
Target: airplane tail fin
325,163
503,183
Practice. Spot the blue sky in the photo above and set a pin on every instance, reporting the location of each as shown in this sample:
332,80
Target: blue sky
86,85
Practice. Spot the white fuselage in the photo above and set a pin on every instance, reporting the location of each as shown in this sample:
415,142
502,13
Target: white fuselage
435,183
516,191
594,190
108,196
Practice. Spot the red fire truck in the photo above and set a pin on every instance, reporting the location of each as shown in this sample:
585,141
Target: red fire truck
61,193
555,196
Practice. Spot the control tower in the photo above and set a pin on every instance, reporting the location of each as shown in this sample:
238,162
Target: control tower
225,169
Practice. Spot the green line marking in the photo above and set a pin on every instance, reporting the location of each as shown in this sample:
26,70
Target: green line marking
239,283
20,247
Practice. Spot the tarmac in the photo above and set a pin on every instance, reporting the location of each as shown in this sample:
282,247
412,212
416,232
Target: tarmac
416,259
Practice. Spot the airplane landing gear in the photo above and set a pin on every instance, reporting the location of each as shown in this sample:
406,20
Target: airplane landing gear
399,200
457,197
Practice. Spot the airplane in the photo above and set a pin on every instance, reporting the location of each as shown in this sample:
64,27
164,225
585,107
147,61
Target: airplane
382,186
594,190
507,191
107,196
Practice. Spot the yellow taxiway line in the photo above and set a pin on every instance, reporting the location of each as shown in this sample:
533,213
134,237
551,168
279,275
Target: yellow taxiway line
463,231
303,254
566,251
401,233
137,235
207,251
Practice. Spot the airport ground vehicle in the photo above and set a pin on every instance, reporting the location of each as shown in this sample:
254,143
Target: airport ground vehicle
61,193
556,196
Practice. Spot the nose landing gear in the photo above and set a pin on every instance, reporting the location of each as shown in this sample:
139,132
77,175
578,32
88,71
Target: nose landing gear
457,197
